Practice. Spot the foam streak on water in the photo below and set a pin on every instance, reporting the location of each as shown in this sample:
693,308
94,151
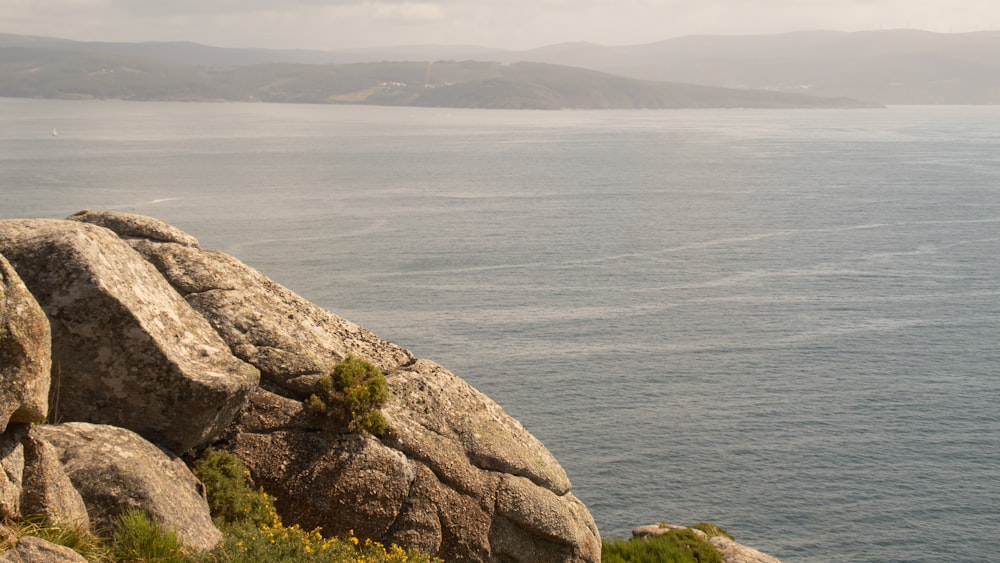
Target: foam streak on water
783,322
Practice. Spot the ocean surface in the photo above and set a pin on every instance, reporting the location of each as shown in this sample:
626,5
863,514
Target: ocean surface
784,322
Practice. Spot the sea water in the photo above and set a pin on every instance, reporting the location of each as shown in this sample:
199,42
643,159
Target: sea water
784,322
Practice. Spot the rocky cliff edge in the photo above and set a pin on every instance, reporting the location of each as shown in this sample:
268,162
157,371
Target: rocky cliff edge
125,333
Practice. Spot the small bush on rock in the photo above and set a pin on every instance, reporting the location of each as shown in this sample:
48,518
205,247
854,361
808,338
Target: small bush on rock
351,395
676,546
229,497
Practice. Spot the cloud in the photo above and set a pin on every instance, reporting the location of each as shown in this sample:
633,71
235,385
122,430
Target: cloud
407,12
333,24
203,7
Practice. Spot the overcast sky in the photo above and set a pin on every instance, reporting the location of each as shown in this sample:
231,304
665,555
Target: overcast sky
514,24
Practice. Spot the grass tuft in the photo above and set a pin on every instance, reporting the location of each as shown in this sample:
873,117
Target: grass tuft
74,537
140,538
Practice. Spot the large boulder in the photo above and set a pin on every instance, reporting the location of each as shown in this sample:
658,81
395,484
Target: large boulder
453,474
115,469
25,357
334,481
127,350
289,339
473,447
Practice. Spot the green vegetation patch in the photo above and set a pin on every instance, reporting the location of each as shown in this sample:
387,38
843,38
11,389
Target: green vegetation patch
352,395
76,538
676,546
230,498
138,537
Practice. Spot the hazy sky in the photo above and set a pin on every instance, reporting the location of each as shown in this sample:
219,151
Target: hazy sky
517,24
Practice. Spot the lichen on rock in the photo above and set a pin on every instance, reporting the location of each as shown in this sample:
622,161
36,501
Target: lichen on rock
25,352
127,350
115,469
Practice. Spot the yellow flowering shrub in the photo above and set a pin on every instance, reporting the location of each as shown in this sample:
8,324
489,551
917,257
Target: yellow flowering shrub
256,534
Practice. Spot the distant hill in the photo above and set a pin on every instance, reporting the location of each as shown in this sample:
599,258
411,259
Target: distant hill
892,67
196,54
546,86
49,68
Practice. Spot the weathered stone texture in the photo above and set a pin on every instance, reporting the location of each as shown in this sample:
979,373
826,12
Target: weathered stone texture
127,349
47,488
36,550
432,496
290,340
443,421
11,470
115,469
131,225
25,354
733,552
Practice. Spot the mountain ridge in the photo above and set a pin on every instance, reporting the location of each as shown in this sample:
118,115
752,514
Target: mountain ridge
901,66
898,66
51,68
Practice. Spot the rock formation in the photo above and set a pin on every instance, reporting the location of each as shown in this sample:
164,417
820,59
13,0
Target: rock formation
416,487
145,338
114,469
290,340
25,354
733,552
33,477
127,350
11,471
153,334
36,550
47,489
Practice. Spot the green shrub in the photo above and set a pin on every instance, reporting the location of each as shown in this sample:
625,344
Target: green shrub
139,538
230,498
676,546
352,395
712,530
